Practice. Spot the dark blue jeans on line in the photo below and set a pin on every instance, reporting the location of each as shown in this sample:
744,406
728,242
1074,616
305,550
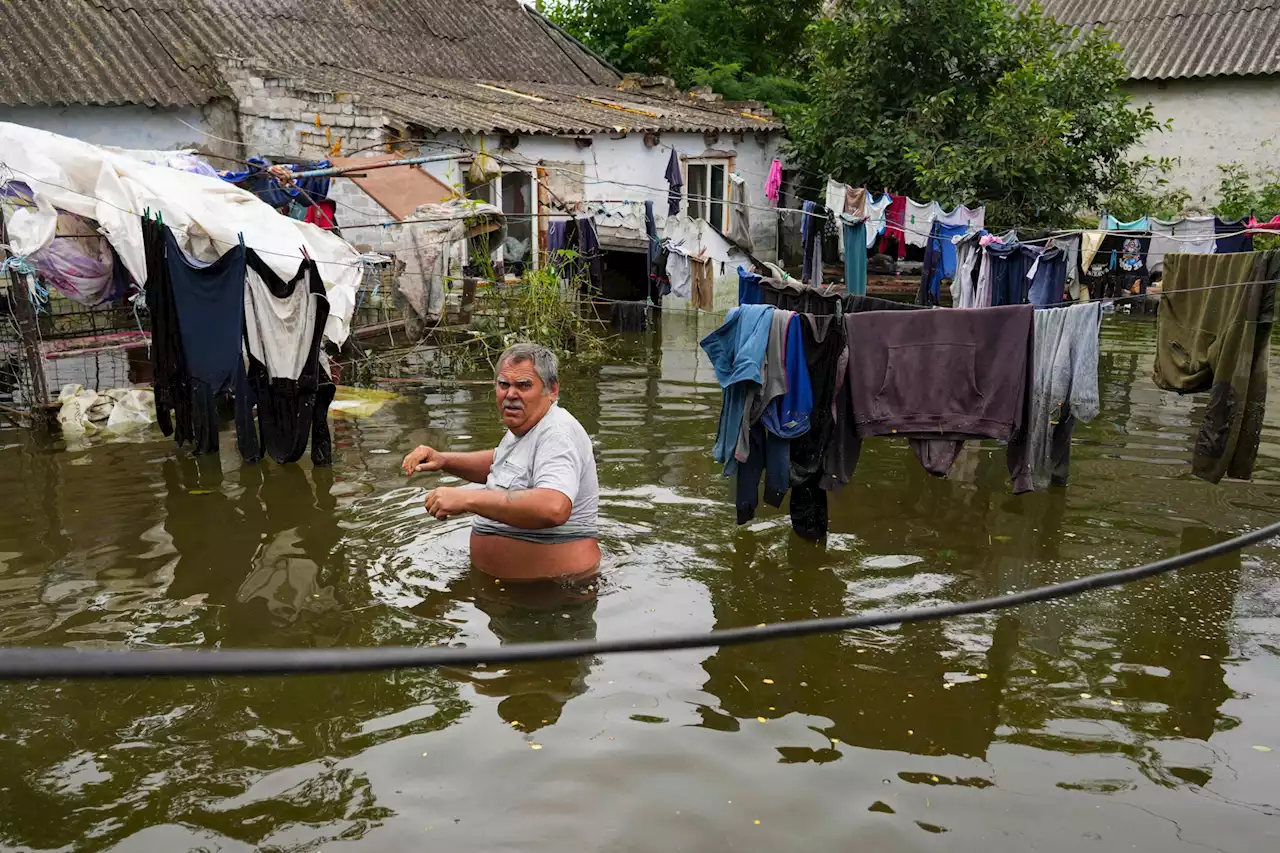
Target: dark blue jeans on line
772,456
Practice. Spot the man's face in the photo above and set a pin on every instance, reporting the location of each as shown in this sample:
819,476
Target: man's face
521,400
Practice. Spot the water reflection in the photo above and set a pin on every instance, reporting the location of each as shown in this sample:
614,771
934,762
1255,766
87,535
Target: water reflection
902,690
532,695
1132,714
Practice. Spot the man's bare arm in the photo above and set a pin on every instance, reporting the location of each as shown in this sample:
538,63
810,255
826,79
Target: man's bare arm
529,509
472,466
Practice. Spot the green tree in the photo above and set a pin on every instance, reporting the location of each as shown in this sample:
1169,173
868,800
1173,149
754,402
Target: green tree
742,48
603,25
1243,194
965,100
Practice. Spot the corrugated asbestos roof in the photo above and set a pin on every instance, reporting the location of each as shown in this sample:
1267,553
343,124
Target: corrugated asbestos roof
1170,39
166,52
526,107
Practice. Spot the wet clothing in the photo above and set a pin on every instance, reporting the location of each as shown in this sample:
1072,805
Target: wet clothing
941,377
823,343
1064,387
788,416
964,285
1189,236
170,378
918,221
855,257
1217,340
1230,238
783,401
701,282
675,183
736,351
592,258
939,261
893,221
1007,271
1047,276
773,379
811,228
556,454
284,325
770,455
210,308
841,452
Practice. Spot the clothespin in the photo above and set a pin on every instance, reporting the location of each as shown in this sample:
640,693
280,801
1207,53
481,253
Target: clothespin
240,237
305,253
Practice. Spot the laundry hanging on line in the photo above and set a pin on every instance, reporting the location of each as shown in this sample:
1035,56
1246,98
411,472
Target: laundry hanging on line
1213,333
283,381
233,327
878,368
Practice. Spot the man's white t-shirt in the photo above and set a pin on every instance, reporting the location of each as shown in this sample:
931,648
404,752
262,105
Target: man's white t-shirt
555,454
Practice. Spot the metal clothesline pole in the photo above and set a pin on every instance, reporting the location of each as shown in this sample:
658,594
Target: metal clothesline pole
334,171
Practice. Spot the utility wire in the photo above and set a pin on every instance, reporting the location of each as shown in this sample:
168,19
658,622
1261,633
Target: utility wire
45,663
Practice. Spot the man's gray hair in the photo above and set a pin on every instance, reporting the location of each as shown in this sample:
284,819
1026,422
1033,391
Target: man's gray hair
545,363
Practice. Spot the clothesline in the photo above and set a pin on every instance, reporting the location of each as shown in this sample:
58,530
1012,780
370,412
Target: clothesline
393,222
664,190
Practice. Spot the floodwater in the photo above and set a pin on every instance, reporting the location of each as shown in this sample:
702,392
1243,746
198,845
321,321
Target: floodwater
1140,719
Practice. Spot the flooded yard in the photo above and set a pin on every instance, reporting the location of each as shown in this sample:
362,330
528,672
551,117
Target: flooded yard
1140,718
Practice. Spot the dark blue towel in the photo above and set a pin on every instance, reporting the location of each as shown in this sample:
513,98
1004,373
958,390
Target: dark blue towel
675,182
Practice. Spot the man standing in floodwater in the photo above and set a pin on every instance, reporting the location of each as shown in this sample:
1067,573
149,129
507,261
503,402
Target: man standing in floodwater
536,517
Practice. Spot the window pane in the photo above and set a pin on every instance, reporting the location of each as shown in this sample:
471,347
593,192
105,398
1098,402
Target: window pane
696,190
518,203
719,176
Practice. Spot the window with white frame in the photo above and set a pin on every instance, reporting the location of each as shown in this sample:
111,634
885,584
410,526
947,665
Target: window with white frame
516,195
706,188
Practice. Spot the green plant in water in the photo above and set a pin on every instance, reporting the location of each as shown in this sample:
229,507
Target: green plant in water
546,306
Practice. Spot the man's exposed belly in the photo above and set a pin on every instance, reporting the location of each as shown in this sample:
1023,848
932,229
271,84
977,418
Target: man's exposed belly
517,560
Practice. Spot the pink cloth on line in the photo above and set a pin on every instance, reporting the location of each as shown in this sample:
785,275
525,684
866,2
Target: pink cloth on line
773,186
894,216
1273,225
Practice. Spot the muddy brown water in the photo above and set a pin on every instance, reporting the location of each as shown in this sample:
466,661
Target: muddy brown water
1140,718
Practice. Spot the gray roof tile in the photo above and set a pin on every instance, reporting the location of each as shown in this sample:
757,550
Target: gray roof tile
525,107
1170,39
167,52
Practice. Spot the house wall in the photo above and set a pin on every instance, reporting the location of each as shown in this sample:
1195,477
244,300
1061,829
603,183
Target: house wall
210,129
628,169
1216,121
620,170
360,217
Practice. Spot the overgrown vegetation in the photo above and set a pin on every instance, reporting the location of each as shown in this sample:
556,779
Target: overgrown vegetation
1244,194
539,309
967,100
958,100
743,49
1147,192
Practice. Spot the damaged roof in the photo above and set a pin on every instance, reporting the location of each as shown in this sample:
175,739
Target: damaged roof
1172,39
481,106
168,52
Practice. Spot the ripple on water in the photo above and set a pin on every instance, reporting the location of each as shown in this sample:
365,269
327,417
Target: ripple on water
1132,714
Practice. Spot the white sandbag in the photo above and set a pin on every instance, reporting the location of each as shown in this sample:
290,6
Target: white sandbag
74,414
133,410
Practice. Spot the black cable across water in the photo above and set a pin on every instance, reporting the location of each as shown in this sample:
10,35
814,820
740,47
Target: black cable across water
40,663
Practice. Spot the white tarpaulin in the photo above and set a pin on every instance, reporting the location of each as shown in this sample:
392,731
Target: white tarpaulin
207,215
